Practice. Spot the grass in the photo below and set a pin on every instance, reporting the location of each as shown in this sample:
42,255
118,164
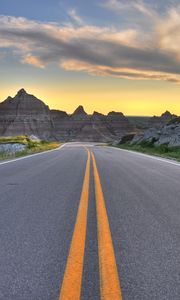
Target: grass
16,139
149,148
32,146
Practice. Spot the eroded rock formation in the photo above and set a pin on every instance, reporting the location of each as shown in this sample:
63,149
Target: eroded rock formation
158,122
26,115
167,134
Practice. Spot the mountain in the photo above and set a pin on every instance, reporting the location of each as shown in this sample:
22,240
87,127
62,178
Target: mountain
26,115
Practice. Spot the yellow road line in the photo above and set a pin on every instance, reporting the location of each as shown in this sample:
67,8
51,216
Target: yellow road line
109,279
71,286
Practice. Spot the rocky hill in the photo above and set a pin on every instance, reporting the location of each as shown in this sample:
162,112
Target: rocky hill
26,115
164,130
158,122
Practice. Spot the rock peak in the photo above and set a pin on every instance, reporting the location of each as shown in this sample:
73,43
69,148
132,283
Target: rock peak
80,111
21,92
166,113
115,114
96,113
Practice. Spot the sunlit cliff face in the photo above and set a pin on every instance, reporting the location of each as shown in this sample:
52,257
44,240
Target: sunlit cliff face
126,58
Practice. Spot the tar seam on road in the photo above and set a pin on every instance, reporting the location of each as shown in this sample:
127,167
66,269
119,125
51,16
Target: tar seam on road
109,280
72,281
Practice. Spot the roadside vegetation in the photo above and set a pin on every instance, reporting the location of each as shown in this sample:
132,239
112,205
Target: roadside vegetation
150,148
31,146
15,139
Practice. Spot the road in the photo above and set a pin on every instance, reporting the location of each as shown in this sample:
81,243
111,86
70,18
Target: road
89,222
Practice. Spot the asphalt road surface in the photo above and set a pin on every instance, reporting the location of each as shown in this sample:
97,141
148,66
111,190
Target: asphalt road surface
89,222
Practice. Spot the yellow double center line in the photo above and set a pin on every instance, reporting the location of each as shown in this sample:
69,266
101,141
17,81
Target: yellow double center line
109,279
71,286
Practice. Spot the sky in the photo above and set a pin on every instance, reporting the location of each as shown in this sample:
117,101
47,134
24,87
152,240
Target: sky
106,55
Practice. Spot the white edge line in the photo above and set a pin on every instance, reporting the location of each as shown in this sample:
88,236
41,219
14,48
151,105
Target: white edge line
148,155
31,155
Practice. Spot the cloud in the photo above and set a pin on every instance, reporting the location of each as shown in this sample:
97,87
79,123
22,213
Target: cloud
168,32
118,6
126,73
33,60
75,17
102,51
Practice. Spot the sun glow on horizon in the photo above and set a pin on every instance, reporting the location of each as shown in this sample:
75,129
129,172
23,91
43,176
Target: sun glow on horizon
108,55
133,102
